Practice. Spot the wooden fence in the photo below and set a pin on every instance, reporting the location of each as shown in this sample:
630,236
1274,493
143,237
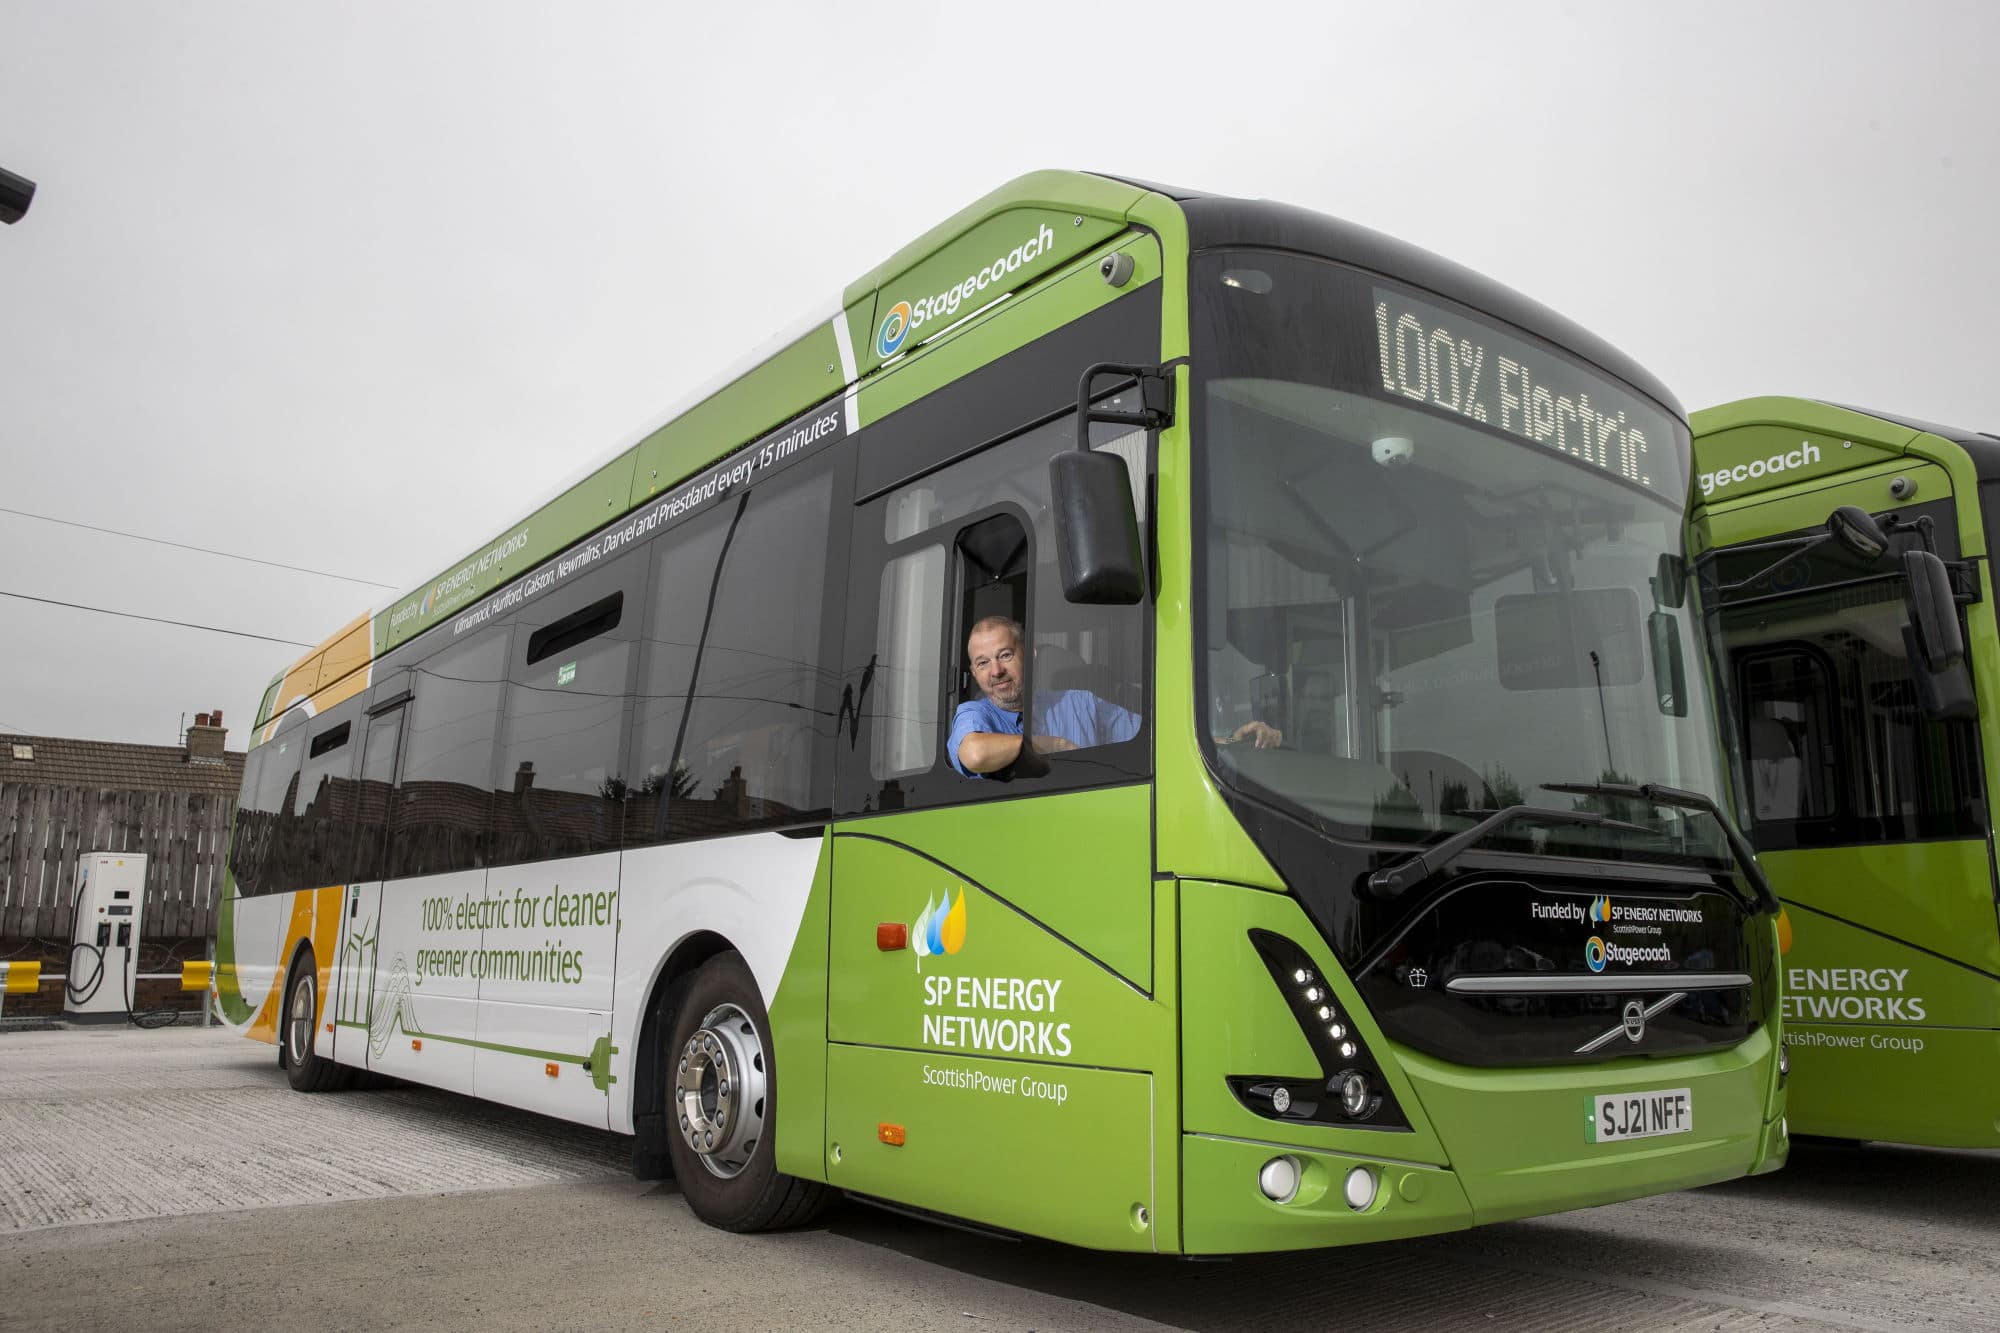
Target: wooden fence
43,829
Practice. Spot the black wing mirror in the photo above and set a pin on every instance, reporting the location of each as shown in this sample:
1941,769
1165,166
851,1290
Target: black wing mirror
1097,530
1933,611
1858,532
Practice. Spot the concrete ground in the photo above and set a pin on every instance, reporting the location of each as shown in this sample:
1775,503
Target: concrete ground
172,1180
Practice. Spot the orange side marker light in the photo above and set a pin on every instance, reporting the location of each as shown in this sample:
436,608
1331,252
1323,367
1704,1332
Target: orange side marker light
416,1043
329,1029
551,1069
890,1134
891,936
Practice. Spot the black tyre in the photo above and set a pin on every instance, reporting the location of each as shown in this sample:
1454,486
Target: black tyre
306,1071
721,1097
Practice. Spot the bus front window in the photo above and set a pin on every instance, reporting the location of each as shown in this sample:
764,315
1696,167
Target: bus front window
1441,599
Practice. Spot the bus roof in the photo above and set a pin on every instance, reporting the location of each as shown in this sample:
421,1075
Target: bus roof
825,359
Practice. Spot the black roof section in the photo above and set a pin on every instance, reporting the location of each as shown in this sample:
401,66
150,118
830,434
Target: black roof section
1218,222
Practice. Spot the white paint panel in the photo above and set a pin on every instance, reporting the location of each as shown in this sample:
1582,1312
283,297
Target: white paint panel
425,994
751,890
522,1079
552,933
260,935
358,946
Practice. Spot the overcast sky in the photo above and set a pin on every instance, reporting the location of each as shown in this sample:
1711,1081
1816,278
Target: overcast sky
349,286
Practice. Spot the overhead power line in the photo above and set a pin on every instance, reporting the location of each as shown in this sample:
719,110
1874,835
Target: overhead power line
205,550
157,620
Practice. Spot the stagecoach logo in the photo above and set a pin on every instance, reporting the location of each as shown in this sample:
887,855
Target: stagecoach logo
895,328
906,317
940,928
1596,953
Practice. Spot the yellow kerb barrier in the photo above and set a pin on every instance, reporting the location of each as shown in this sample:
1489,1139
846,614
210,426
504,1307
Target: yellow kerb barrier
196,975
22,978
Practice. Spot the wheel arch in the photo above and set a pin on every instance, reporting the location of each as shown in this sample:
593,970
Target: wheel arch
656,1025
299,951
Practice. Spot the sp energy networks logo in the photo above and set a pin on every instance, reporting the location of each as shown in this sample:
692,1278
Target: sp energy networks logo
906,317
1600,910
940,928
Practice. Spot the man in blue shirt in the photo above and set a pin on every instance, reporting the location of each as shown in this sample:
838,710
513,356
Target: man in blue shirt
986,732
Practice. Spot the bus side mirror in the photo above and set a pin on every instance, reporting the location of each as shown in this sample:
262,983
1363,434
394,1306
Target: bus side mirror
1933,611
1670,581
1858,532
1663,639
1097,530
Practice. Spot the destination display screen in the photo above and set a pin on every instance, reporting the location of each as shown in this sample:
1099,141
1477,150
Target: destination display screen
1453,362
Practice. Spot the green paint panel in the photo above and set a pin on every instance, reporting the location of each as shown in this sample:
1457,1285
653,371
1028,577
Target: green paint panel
999,330
1228,1214
1011,988
1935,895
583,508
798,1035
1050,1150
1080,864
999,255
1234,1021
1064,193
1804,506
228,994
1887,1041
1537,1157
1751,460
806,372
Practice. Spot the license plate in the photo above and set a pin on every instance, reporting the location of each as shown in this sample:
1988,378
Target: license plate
1617,1116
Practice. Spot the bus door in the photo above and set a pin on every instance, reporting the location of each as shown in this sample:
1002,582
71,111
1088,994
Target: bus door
992,952
361,916
1872,821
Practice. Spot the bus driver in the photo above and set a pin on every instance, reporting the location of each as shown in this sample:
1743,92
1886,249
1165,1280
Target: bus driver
986,732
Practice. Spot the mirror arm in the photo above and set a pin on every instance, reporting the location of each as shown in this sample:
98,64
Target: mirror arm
1156,392
1794,547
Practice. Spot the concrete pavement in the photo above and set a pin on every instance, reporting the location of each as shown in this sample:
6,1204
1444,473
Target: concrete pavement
173,1180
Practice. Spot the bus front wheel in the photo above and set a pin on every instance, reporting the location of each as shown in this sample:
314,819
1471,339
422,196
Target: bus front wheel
721,1101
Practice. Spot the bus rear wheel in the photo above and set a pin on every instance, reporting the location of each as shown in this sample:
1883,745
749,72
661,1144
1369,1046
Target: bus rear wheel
721,1104
306,1070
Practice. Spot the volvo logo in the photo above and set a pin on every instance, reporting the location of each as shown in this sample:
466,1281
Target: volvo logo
1632,1022
1635,1020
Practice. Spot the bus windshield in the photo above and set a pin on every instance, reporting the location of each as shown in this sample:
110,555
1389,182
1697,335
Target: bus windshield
1433,570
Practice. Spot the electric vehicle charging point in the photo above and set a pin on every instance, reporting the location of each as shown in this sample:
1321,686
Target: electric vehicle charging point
103,972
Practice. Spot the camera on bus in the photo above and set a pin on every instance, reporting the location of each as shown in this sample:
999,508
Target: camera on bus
1394,450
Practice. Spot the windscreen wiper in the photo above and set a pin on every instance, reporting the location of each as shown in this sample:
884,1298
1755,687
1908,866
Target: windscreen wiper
1679,798
1393,881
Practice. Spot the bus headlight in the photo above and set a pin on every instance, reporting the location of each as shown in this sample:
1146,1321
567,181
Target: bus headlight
1784,1060
1354,1093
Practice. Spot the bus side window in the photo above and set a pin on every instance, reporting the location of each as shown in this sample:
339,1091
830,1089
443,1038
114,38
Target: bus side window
561,782
439,818
731,705
324,824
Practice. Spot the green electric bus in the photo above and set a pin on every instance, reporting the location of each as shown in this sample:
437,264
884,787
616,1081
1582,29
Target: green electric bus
1157,721
1845,553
